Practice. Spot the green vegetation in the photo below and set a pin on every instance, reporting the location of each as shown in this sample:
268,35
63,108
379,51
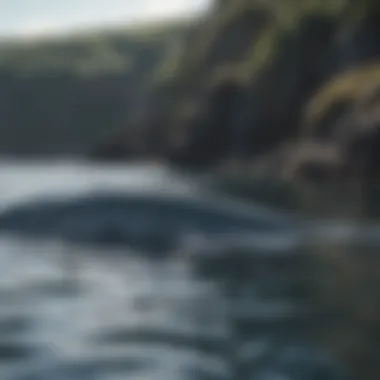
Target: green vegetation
62,95
343,88
89,54
271,21
91,57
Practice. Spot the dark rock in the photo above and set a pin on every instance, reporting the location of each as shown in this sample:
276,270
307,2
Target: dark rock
203,135
113,148
275,96
313,161
360,134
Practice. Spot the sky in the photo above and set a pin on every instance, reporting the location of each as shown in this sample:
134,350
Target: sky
40,17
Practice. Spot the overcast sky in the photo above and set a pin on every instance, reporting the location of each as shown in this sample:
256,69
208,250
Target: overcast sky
35,17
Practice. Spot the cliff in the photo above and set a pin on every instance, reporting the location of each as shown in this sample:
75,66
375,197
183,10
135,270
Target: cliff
254,83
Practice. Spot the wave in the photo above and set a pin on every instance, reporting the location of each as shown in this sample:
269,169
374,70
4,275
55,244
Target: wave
142,221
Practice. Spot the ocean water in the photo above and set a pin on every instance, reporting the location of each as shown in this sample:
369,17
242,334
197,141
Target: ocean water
213,310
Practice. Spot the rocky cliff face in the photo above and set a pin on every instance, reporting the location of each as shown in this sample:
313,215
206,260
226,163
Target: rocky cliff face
247,85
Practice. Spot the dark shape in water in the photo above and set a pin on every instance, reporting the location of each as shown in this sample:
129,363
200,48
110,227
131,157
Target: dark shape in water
299,363
145,222
14,352
14,325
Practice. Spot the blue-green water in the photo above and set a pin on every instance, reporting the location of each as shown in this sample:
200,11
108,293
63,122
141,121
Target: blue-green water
233,309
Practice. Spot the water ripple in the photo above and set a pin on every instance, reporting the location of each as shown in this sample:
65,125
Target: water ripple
118,316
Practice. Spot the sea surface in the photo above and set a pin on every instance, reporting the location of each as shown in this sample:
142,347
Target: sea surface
218,311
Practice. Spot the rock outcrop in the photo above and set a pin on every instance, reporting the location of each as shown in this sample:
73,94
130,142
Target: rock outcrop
260,75
344,115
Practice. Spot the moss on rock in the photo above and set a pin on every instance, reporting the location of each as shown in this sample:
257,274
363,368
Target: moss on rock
338,95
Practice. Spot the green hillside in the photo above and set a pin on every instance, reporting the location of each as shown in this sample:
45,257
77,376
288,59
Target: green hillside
61,95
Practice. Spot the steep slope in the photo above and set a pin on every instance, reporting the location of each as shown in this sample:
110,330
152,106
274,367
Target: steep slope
239,89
